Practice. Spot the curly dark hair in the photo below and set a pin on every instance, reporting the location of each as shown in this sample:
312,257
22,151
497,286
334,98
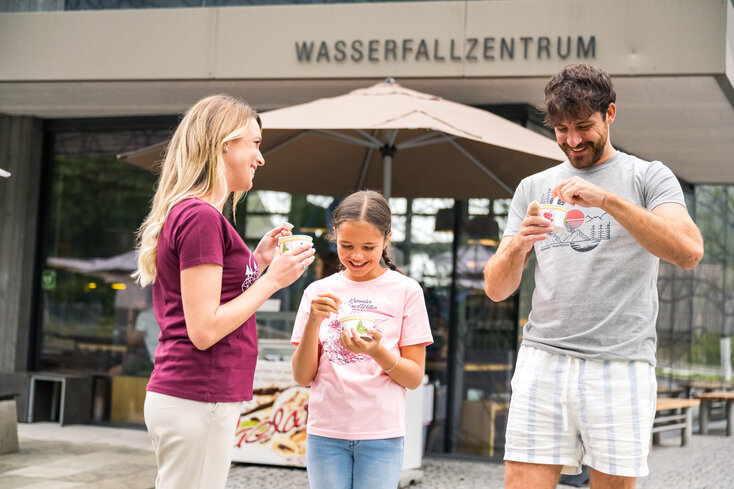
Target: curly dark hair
577,91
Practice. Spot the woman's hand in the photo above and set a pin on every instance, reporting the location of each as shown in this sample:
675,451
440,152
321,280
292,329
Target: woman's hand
351,340
287,267
265,250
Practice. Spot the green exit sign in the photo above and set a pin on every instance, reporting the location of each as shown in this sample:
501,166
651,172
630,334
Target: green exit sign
48,280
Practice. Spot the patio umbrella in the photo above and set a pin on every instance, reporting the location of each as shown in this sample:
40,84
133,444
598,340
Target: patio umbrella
112,269
403,142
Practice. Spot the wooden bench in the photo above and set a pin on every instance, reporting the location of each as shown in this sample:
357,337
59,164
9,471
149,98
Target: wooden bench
673,414
8,423
708,398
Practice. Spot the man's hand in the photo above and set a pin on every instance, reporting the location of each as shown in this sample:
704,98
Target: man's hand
667,231
577,191
534,228
503,271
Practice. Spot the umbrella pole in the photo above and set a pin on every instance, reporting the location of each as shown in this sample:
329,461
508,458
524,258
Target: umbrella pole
387,150
386,176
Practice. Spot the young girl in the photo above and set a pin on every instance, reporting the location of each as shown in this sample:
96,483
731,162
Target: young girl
356,421
206,289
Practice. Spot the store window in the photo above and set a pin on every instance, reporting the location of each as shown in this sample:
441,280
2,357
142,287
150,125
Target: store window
90,304
470,364
696,318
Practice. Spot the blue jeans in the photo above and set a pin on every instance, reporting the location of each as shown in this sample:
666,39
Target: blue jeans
334,463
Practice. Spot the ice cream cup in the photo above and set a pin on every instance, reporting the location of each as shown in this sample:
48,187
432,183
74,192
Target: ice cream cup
360,324
556,214
287,243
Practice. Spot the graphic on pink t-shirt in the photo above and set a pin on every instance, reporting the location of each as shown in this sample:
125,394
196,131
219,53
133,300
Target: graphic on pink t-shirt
337,353
366,305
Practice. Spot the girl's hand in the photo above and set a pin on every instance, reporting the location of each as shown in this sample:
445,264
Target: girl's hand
265,250
323,306
351,340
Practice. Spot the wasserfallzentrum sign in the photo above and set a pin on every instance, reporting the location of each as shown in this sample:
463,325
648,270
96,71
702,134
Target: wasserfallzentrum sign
472,49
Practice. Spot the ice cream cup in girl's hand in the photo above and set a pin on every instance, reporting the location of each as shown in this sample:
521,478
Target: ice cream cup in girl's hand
294,241
360,324
556,214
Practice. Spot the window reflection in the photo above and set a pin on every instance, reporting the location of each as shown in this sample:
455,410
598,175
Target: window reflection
90,303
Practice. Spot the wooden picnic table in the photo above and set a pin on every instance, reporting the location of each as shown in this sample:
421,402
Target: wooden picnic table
708,398
704,385
672,413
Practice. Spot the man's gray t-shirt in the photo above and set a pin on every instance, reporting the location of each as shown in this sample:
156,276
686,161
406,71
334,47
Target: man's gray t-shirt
595,287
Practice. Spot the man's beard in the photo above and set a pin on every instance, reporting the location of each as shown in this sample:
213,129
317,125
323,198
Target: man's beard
588,159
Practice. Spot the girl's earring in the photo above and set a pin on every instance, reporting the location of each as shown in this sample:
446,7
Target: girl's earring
226,148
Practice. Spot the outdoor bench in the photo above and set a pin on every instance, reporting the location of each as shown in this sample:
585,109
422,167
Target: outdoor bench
707,399
54,396
673,414
8,423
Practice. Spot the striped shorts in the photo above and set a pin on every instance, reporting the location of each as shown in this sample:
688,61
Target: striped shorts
570,411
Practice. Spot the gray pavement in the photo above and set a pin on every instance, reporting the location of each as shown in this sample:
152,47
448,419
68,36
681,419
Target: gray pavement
94,457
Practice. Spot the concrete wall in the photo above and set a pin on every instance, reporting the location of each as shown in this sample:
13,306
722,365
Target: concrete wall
411,39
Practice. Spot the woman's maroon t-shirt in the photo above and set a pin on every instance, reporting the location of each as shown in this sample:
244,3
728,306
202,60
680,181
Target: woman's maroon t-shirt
195,233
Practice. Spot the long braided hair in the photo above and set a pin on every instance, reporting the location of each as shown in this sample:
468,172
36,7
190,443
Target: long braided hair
368,206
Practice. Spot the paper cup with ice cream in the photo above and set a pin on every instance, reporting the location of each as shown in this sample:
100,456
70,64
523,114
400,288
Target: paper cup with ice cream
287,243
360,324
556,214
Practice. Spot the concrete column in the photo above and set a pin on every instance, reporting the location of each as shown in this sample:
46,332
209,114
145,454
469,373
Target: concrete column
21,143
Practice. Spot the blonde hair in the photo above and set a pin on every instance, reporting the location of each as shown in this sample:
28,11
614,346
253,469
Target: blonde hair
193,167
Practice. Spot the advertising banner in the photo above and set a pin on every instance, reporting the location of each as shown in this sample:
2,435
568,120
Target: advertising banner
272,426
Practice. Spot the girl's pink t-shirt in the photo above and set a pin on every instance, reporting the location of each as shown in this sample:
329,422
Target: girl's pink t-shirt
352,397
196,233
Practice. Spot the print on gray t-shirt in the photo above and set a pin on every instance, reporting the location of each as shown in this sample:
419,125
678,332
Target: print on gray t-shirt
595,287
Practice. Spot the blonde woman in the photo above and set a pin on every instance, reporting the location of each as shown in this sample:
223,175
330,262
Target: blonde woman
206,289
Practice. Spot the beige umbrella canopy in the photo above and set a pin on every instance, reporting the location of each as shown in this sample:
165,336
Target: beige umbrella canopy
387,137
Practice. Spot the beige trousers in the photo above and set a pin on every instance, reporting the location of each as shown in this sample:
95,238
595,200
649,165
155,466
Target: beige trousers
192,440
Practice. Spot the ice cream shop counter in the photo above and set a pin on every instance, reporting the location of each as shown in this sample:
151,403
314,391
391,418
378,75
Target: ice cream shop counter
272,426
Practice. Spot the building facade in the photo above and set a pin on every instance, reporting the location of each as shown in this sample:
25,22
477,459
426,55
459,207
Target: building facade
82,81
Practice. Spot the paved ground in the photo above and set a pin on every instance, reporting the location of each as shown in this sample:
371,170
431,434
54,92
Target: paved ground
93,457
